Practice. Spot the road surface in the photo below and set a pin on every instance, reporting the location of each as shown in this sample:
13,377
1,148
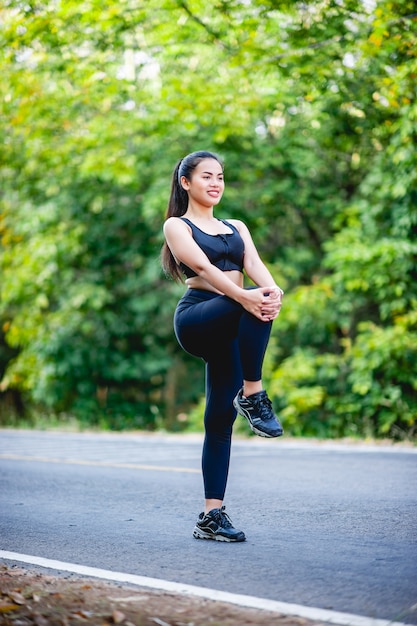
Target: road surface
328,526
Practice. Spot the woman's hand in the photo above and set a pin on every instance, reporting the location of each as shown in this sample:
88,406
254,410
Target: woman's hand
263,302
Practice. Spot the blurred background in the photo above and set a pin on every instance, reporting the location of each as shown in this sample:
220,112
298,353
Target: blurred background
312,106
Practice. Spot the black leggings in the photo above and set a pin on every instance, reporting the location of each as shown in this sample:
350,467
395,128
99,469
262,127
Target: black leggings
232,342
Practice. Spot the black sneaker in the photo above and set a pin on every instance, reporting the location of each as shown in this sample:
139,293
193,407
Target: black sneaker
257,409
217,525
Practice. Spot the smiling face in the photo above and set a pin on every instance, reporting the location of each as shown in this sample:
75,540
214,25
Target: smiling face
207,183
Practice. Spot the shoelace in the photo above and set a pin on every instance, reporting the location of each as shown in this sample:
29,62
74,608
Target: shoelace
223,519
264,406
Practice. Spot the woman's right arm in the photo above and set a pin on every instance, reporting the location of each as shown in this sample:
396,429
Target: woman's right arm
182,245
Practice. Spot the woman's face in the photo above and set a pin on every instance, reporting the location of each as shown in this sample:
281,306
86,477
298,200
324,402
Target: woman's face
207,183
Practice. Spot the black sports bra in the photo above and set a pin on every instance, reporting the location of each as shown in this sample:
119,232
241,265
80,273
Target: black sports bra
225,250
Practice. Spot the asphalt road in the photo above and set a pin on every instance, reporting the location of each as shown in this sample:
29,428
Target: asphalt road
329,526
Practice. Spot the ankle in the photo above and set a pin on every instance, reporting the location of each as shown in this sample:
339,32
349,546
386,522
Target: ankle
250,387
212,503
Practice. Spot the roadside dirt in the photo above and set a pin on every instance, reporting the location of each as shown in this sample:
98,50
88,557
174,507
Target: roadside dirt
29,598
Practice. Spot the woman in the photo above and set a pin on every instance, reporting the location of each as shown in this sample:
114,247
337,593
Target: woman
219,321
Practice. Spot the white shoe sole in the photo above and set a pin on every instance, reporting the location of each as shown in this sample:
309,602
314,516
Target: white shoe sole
200,534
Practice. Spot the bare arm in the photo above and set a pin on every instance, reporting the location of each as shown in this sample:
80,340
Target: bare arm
254,267
184,248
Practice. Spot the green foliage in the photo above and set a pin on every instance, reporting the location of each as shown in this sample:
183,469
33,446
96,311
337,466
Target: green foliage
313,108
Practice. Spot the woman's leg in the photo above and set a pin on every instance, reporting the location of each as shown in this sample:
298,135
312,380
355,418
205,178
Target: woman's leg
223,380
252,400
253,341
208,328
232,342
213,322
253,337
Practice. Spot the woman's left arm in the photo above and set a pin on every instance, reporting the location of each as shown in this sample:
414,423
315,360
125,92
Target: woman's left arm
253,265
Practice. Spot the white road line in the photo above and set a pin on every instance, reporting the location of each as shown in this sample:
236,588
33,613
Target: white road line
321,615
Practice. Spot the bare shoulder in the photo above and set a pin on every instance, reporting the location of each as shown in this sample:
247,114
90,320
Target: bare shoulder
237,223
241,226
175,225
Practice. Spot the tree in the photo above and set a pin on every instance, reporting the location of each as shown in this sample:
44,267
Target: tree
366,381
309,104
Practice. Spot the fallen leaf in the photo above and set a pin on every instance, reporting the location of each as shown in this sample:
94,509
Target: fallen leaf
160,622
82,614
17,597
136,598
5,608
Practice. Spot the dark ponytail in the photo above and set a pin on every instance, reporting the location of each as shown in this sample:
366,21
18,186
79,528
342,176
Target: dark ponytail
178,204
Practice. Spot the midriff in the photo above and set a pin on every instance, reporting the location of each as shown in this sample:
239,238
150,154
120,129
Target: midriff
196,282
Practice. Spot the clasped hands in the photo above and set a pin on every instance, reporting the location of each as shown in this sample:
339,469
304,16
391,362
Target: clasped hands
264,302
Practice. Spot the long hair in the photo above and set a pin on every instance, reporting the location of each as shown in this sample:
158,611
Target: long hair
178,204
